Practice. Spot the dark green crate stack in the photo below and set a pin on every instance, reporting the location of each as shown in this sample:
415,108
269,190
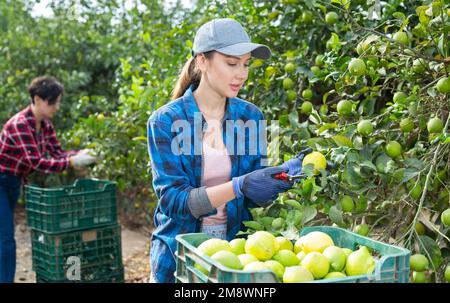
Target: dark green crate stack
76,223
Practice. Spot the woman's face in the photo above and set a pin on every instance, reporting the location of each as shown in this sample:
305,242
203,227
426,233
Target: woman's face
225,74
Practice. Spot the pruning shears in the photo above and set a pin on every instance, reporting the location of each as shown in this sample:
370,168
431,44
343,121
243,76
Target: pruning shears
284,176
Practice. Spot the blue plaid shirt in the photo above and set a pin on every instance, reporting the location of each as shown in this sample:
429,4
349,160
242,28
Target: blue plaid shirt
174,176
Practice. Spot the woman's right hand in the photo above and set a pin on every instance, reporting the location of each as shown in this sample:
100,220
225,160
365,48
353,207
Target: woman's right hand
260,186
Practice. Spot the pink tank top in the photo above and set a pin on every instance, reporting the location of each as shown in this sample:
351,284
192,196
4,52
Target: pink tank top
216,167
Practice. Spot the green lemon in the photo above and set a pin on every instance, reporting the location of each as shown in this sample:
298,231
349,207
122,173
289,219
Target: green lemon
443,85
228,259
276,267
445,217
401,37
306,107
286,257
238,246
307,94
291,95
365,127
336,257
284,243
247,259
362,229
419,277
297,274
344,107
331,18
347,204
289,67
435,125
406,125
418,262
393,149
357,67
288,83
317,264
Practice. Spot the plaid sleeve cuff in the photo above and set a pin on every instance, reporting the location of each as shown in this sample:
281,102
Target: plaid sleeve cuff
198,202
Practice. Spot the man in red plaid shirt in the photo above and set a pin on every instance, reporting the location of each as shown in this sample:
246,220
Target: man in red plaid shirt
28,143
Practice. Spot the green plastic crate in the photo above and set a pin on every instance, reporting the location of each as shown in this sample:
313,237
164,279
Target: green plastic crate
392,265
99,253
115,277
86,204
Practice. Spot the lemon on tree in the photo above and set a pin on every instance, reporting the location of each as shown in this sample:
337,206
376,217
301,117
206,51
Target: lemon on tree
347,204
296,274
288,83
228,259
317,264
291,95
447,273
419,66
336,257
418,262
357,67
306,107
315,69
406,125
401,37
331,18
316,241
365,127
289,67
435,125
393,149
307,17
419,277
420,228
261,244
317,159
445,217
362,229
344,107
443,85
307,94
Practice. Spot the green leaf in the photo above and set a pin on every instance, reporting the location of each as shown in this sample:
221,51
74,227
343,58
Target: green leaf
342,141
326,126
309,213
294,217
428,245
335,215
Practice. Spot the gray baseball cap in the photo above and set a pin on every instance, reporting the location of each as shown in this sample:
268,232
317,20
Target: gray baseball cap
227,36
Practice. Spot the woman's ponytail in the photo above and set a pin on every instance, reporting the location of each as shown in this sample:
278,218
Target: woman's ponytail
189,75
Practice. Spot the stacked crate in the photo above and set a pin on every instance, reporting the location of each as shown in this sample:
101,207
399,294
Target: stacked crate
74,232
